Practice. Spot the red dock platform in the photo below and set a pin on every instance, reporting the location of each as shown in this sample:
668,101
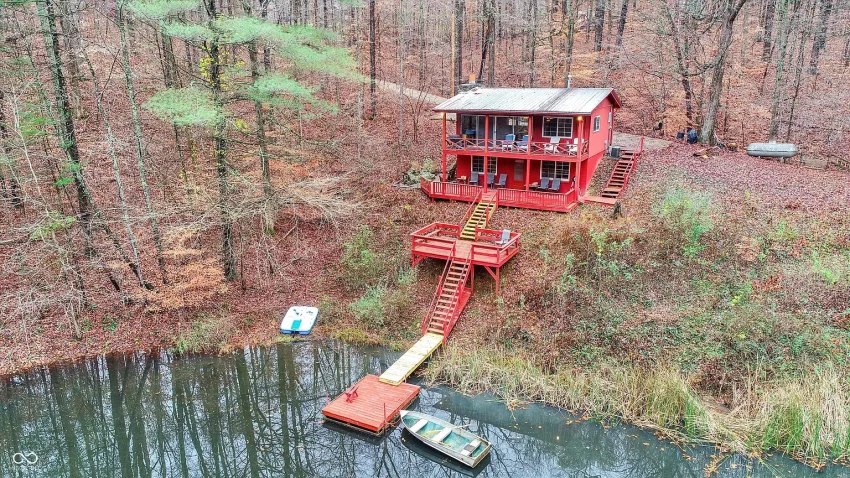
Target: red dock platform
371,405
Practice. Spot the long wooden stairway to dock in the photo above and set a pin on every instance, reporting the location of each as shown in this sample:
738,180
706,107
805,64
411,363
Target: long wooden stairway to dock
373,402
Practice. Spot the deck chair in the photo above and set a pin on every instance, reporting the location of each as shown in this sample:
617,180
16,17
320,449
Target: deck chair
473,179
503,181
572,146
508,144
555,186
491,178
552,147
506,236
523,145
544,184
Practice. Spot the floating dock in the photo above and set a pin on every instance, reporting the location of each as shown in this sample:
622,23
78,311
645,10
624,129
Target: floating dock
370,404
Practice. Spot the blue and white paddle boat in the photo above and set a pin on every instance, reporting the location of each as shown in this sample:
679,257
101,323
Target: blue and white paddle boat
299,320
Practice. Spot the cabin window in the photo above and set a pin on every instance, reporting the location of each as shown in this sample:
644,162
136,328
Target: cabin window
472,126
478,165
502,126
596,121
555,169
557,127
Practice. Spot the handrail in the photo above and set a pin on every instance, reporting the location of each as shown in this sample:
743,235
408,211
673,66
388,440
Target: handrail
433,305
471,207
455,300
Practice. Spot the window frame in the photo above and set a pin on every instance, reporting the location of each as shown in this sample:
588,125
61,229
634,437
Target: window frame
597,123
490,161
557,126
568,166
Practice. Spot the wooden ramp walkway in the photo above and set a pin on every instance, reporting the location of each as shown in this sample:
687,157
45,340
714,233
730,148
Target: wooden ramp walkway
412,359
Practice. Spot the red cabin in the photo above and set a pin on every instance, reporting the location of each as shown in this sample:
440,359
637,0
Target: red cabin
539,147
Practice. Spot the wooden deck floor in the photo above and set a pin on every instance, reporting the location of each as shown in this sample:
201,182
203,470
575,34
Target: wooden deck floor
375,407
412,359
483,256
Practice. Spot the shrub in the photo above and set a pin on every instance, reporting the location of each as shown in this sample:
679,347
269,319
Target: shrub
687,213
207,334
360,264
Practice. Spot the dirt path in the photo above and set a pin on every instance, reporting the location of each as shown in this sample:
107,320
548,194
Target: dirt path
631,141
391,87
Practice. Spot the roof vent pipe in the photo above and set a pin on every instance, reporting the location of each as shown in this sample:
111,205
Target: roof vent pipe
569,80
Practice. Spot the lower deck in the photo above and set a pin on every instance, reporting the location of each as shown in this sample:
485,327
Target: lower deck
521,198
442,241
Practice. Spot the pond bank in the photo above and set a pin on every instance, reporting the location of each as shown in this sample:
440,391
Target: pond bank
808,419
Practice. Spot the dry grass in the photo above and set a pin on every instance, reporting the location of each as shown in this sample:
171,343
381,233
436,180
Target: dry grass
808,418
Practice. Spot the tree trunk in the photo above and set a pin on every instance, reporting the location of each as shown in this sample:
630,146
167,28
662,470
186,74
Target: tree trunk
782,39
138,136
65,123
570,13
716,85
599,25
819,42
457,47
222,166
73,45
401,57
12,192
259,115
532,42
373,102
621,26
767,39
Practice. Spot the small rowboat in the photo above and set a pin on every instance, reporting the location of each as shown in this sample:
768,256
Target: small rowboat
450,440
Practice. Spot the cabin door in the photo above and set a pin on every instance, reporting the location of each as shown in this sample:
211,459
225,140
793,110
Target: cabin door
519,172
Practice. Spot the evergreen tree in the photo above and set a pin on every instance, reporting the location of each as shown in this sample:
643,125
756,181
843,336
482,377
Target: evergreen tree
227,81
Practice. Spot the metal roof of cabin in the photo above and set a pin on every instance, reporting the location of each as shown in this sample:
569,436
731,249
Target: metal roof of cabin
529,100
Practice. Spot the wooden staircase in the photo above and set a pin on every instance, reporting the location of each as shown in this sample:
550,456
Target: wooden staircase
450,298
620,176
478,215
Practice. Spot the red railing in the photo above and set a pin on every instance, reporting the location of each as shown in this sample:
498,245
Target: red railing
494,252
563,148
433,306
439,189
522,198
471,207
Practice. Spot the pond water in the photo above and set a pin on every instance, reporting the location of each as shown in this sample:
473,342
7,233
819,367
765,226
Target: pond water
257,412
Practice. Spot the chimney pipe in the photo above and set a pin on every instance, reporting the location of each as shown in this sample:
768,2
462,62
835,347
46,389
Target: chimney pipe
569,80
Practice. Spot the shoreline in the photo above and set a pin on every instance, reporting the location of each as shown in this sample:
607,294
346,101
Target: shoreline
660,399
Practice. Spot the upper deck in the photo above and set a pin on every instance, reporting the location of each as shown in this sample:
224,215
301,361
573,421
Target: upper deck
442,241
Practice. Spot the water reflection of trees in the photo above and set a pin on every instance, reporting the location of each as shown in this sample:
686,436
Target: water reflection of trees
257,413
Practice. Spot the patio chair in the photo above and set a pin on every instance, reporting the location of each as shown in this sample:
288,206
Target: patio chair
544,184
503,181
523,145
506,236
508,143
552,147
473,179
572,146
470,133
555,186
491,178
